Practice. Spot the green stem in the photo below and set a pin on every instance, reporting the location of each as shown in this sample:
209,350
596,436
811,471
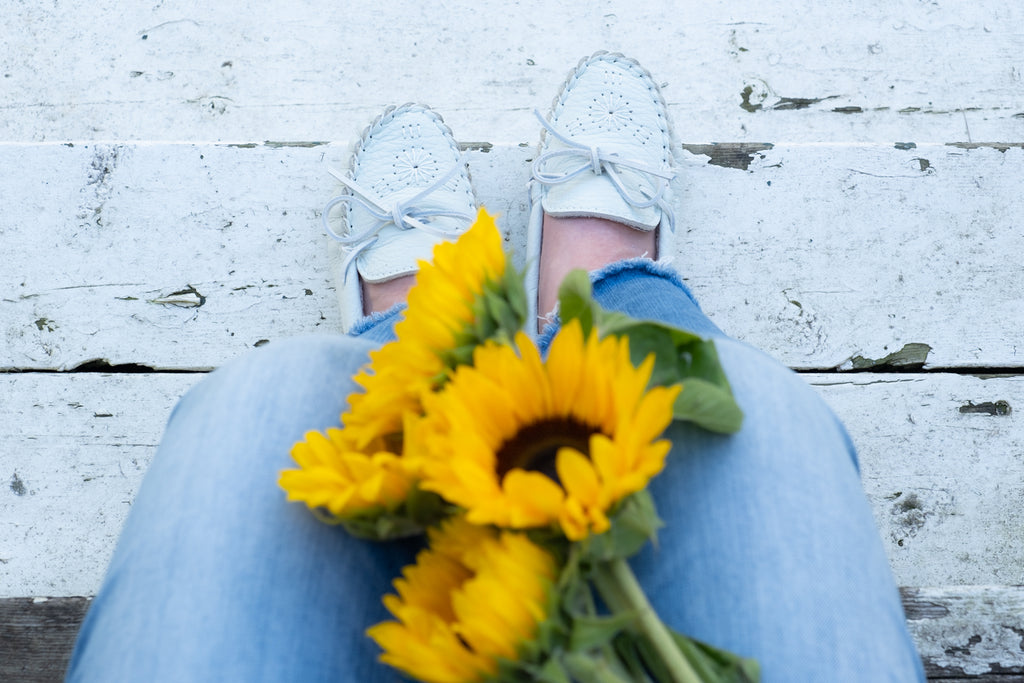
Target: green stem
620,589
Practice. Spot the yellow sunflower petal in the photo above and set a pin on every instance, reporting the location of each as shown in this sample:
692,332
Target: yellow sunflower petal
492,430
533,498
576,472
474,596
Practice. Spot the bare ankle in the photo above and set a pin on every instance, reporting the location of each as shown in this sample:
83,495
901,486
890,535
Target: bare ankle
587,243
380,296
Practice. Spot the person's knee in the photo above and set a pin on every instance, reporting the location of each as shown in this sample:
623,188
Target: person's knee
282,372
308,355
779,403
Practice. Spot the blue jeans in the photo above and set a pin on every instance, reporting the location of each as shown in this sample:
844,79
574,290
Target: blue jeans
769,548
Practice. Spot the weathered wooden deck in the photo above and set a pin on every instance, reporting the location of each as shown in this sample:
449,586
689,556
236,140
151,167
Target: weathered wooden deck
861,218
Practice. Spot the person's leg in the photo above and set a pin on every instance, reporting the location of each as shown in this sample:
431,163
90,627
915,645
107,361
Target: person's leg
769,548
216,577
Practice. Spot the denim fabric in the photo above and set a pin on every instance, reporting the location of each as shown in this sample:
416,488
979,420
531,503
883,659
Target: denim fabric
379,326
769,547
646,290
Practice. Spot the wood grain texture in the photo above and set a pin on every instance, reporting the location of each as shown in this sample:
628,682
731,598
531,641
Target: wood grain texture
184,255
782,70
967,631
37,636
963,633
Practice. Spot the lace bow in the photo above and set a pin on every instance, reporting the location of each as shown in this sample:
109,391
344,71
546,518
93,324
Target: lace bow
406,214
650,192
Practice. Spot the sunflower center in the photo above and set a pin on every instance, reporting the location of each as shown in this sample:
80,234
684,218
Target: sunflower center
534,446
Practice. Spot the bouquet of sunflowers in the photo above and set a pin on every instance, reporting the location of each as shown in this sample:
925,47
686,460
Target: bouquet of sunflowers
528,474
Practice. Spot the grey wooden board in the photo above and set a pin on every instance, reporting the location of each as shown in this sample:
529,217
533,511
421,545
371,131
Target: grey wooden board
962,632
770,71
183,255
37,636
945,485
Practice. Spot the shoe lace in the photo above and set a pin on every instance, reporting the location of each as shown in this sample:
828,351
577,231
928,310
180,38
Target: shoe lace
600,162
406,214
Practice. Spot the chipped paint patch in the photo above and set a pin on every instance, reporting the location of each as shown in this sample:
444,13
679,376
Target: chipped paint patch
183,298
279,145
1000,408
910,512
756,97
729,154
17,485
1001,146
912,356
484,147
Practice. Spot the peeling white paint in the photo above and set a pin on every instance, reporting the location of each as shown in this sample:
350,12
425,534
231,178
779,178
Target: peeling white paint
908,70
816,253
955,641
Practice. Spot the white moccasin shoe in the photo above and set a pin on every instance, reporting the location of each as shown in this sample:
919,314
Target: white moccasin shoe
407,189
607,151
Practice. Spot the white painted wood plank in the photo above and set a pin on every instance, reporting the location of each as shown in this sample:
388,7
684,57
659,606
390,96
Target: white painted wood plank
942,462
73,449
816,253
783,70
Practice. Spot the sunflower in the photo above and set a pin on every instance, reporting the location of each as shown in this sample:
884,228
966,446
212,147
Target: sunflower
519,442
343,480
445,306
456,298
474,597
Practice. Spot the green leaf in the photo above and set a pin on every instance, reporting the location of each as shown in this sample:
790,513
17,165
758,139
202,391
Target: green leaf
594,668
576,301
699,358
709,406
715,665
461,355
426,508
614,322
499,309
626,648
680,356
553,672
385,527
515,292
633,524
647,338
593,632
483,325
